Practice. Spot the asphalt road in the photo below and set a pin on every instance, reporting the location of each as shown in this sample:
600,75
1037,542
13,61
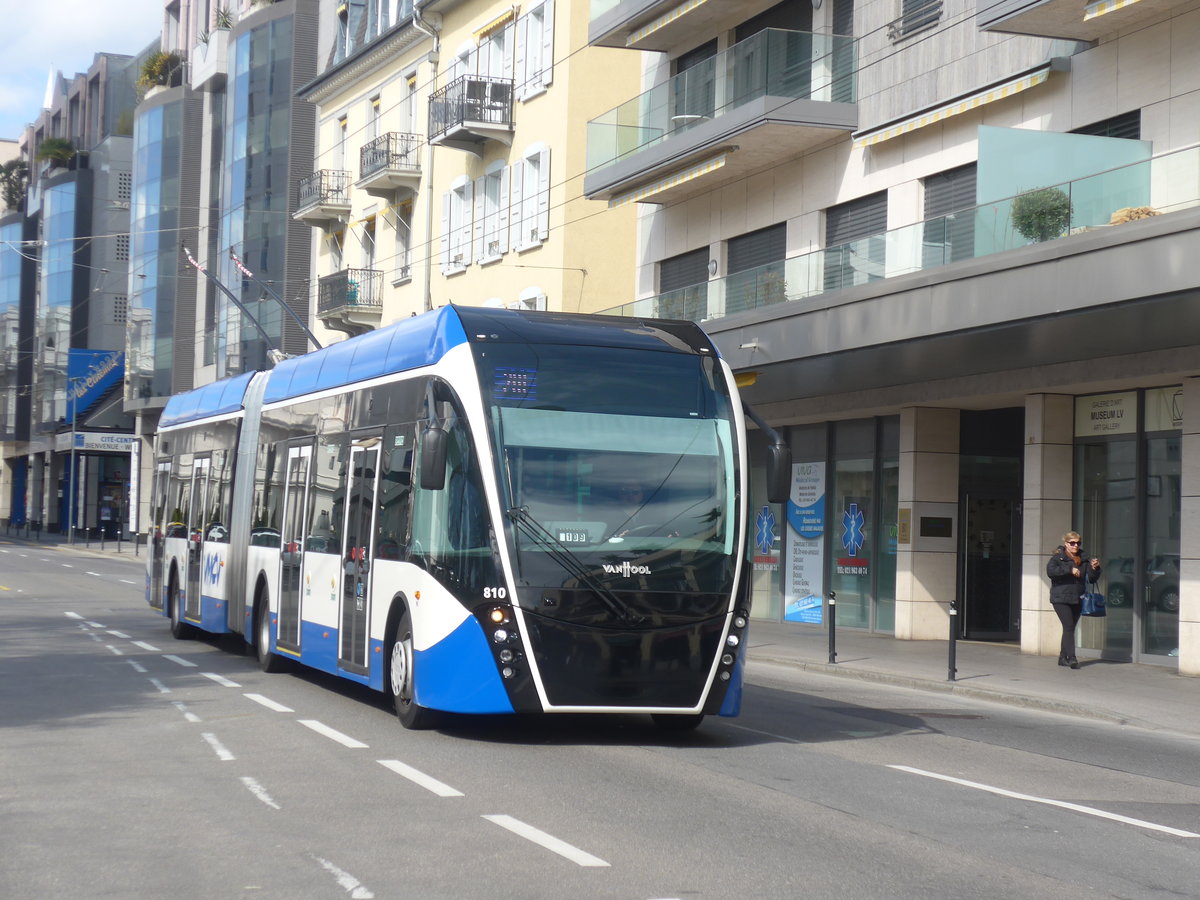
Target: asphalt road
134,765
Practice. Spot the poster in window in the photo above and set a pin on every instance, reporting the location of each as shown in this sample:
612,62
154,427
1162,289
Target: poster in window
805,544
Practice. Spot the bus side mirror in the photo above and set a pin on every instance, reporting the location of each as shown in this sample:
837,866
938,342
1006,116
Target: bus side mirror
779,473
434,443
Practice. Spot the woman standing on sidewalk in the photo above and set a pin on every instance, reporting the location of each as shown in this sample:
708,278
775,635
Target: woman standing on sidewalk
1067,569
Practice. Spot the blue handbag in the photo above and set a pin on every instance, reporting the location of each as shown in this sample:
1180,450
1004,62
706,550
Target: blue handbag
1092,603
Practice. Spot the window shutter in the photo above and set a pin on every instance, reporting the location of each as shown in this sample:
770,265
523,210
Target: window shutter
477,232
683,271
749,251
547,42
517,193
521,76
503,224
447,200
468,197
507,60
856,219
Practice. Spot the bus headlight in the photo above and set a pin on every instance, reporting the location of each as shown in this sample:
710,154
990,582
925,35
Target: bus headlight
507,656
727,659
498,615
733,640
499,635
739,621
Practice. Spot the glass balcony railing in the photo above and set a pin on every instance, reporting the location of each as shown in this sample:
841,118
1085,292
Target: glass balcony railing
600,7
1164,184
774,63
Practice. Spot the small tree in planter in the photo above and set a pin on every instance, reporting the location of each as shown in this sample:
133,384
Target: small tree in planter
1042,215
161,69
57,150
14,175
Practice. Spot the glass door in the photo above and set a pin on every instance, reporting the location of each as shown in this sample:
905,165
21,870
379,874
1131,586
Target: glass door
1160,547
1106,478
362,484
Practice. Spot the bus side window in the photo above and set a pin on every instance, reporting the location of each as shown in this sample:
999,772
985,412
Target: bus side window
395,494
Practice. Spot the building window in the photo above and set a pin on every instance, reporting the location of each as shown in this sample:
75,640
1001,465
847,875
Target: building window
491,213
949,230
756,268
373,114
1126,125
855,246
530,191
368,243
403,254
531,298
456,226
915,16
535,50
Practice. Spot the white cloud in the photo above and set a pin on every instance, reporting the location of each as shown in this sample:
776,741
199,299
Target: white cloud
64,35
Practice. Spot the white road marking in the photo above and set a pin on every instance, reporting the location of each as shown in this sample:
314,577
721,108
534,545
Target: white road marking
146,646
220,679
190,716
64,565
259,791
97,574
162,688
137,666
95,624
126,581
72,615
180,660
117,651
268,703
418,777
346,881
222,754
119,634
549,841
321,728
1062,804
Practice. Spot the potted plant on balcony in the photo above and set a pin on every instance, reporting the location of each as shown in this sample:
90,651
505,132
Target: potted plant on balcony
223,20
161,69
14,175
1041,215
58,151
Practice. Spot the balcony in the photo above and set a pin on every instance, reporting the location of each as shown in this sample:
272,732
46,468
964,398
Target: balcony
665,25
470,111
351,300
390,163
324,197
209,62
1103,209
771,96
1076,20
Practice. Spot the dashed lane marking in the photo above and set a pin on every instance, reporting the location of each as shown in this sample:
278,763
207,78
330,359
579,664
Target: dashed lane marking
333,734
549,841
420,778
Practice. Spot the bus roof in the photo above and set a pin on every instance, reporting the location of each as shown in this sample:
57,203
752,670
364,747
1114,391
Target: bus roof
216,399
421,341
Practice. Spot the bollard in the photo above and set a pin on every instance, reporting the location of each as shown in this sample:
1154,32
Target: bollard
953,640
832,626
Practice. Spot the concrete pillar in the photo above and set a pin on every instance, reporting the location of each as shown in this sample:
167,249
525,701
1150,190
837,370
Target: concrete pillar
926,579
1189,533
1049,444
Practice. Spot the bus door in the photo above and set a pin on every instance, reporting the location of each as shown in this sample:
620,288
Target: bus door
197,505
358,551
291,547
158,507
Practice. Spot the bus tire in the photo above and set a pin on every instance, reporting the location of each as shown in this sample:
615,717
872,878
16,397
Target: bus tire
268,660
677,723
401,677
180,630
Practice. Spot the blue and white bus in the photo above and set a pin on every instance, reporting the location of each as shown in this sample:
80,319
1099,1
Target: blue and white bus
473,511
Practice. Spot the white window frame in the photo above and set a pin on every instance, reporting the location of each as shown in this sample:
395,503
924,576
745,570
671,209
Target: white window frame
491,213
456,226
530,193
535,51
402,216
532,298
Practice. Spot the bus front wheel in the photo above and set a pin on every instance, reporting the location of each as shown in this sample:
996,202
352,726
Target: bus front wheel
401,678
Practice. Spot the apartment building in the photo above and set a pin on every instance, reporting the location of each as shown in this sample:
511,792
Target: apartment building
64,257
220,277
450,158
945,245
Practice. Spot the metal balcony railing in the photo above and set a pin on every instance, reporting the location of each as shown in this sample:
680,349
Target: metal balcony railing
471,99
393,150
353,288
325,187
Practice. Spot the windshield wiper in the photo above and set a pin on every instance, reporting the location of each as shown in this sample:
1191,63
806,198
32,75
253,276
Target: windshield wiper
565,558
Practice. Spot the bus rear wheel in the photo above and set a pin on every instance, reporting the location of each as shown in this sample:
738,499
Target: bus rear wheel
401,678
180,630
268,660
677,723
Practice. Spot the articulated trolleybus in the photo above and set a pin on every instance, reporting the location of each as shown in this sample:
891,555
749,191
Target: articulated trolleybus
472,511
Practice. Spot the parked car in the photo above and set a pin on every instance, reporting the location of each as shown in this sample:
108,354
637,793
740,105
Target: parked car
1162,575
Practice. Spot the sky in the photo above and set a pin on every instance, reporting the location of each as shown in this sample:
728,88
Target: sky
37,35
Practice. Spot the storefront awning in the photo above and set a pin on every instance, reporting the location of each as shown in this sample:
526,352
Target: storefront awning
1104,7
961,105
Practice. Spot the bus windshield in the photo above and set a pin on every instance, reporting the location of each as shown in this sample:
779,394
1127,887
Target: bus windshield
621,464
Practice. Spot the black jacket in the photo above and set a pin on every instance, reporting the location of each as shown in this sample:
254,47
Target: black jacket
1065,587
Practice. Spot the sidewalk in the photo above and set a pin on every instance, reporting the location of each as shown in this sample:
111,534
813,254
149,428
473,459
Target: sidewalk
54,541
1147,696
1128,693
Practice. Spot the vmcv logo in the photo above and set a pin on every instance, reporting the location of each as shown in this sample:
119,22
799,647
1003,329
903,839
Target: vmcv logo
626,569
212,568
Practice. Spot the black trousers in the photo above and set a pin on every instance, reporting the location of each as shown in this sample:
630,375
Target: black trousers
1068,615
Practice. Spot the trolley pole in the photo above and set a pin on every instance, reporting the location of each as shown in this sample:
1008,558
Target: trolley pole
953,640
832,626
